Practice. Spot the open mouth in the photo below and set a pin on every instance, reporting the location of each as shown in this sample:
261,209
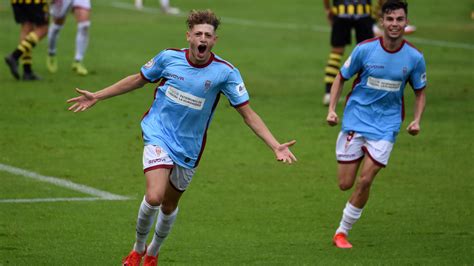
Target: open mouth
202,48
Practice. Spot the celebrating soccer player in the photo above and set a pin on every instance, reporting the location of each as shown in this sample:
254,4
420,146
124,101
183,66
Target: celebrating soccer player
374,109
190,82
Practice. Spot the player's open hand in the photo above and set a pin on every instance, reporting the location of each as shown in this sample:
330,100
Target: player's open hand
283,153
332,118
83,102
413,128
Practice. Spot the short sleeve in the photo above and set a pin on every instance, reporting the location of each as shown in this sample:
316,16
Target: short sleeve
418,75
153,69
353,64
234,89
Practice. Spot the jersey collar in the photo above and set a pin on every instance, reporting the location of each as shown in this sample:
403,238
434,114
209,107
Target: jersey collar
211,58
391,52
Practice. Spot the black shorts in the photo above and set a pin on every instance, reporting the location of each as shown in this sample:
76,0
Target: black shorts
37,14
342,28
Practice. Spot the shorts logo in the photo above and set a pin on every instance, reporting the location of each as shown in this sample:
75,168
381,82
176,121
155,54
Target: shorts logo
158,151
241,90
149,64
350,135
346,156
159,160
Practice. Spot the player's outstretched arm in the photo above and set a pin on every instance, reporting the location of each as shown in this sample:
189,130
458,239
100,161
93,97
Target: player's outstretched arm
87,99
420,101
336,90
253,120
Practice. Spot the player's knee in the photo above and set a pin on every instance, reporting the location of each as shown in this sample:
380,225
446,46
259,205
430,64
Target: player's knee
345,185
365,182
346,181
154,200
168,208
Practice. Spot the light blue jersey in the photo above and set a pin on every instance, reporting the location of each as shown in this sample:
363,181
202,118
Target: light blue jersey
375,107
185,100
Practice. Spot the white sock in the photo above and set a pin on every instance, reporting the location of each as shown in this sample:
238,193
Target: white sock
53,34
350,215
162,229
139,4
165,4
146,217
82,39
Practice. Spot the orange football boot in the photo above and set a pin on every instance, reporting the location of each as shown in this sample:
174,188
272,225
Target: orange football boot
133,259
150,261
340,241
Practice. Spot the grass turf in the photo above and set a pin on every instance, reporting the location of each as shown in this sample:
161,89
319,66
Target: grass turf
242,207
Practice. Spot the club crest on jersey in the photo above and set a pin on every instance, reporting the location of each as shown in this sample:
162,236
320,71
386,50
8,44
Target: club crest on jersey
149,64
207,85
405,70
241,90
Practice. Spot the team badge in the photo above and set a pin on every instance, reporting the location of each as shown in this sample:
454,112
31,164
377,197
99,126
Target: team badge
423,77
149,64
207,85
241,90
349,137
348,62
158,151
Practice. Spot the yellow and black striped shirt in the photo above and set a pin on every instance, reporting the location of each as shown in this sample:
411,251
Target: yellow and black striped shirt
27,2
351,8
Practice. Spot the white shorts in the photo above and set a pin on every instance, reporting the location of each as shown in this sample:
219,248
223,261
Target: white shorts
59,8
155,157
352,146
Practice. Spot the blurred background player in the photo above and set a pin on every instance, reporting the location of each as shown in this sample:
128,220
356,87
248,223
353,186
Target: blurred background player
59,10
343,16
375,109
377,13
33,17
164,6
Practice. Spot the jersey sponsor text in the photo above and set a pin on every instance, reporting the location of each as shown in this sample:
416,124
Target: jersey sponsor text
383,84
186,99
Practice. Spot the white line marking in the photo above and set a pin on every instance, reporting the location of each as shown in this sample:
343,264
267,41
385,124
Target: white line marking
47,200
293,26
103,195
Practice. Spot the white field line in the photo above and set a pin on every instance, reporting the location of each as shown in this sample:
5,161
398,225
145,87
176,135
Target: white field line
98,194
293,26
46,200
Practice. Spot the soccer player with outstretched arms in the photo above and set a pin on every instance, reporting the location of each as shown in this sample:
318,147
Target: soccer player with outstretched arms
190,83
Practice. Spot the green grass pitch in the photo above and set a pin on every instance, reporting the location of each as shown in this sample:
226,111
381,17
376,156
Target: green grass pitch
243,207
